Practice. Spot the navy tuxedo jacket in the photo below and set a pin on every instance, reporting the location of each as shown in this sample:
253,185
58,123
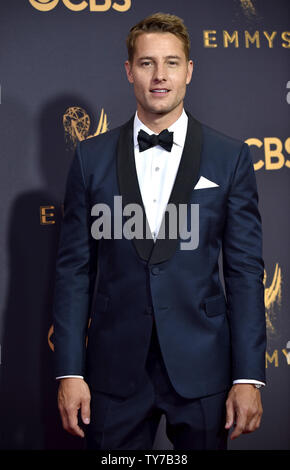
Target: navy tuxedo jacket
108,292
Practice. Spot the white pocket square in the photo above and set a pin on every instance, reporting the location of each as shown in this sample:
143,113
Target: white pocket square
204,183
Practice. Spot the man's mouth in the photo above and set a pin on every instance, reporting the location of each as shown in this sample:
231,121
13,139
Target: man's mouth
160,90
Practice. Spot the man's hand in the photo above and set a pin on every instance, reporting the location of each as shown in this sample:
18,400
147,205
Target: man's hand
74,394
244,409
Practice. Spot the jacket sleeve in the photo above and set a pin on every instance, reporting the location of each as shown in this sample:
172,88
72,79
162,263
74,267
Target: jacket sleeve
243,269
76,267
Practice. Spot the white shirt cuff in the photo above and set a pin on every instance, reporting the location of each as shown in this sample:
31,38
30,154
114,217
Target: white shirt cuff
66,376
248,381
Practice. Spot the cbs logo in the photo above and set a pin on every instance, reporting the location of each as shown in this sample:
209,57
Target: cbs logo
48,5
274,153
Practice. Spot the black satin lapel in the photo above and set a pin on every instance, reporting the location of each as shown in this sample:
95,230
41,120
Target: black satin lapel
185,181
129,186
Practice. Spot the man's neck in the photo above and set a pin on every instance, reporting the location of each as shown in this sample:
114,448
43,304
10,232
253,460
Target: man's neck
158,122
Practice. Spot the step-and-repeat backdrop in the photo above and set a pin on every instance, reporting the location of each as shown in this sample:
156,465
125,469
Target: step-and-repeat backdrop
62,79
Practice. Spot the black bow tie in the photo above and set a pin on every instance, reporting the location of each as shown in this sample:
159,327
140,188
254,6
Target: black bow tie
146,141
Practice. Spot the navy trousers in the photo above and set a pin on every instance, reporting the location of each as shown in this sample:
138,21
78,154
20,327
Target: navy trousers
131,423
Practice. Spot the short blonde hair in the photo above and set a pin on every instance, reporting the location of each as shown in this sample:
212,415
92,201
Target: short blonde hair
158,23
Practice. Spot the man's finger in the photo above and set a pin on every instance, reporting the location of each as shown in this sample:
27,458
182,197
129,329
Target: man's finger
240,426
64,419
73,427
253,424
230,414
85,411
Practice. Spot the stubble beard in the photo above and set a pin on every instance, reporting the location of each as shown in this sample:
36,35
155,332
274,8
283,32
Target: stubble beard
162,112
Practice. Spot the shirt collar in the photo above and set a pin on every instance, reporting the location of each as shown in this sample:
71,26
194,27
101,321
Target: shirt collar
179,129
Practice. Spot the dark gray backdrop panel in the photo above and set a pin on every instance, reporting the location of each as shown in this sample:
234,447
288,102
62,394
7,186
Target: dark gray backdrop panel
51,61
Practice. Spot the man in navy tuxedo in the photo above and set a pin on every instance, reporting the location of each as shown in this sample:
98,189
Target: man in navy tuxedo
164,337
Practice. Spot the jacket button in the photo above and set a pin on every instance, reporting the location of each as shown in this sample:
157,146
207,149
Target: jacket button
155,270
149,310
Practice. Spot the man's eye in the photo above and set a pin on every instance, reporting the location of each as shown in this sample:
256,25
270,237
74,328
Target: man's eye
172,62
146,63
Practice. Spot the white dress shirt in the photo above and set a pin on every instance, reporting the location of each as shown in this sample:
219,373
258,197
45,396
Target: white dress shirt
156,171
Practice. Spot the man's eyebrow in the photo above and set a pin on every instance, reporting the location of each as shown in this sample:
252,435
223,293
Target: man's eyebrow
167,57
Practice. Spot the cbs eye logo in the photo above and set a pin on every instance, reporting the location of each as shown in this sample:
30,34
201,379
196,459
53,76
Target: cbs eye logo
48,5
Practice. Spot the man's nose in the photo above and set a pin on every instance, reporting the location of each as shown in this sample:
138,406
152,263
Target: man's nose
160,72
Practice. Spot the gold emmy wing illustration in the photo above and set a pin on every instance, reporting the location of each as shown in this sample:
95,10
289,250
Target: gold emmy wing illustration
273,295
248,8
77,123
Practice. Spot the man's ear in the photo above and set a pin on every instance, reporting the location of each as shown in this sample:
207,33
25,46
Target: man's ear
189,71
129,71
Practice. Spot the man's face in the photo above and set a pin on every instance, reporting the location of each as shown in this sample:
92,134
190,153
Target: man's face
159,73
